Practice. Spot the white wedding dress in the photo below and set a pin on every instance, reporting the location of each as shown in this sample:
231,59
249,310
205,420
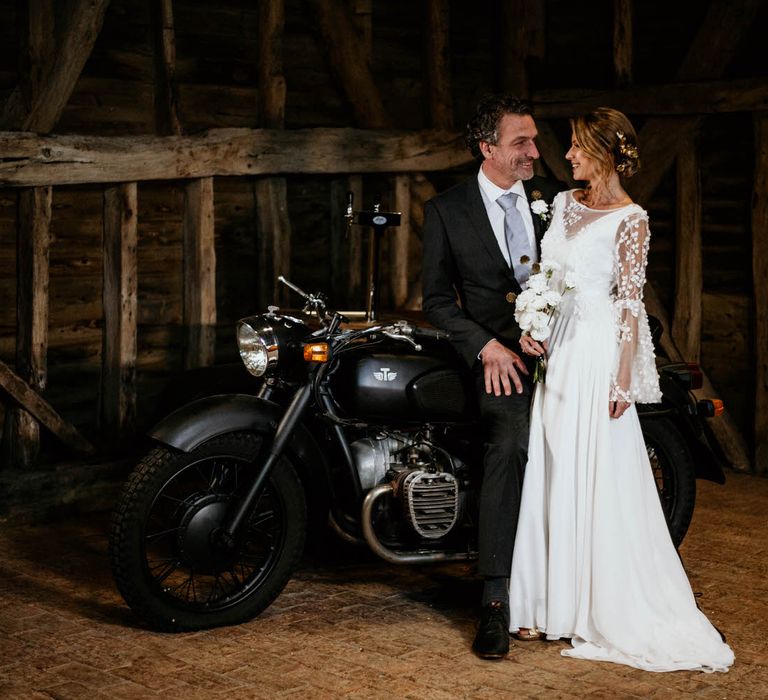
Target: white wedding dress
593,559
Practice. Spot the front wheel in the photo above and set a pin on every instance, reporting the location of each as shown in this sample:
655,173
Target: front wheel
674,474
168,560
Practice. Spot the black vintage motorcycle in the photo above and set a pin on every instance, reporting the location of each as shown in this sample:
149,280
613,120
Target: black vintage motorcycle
373,429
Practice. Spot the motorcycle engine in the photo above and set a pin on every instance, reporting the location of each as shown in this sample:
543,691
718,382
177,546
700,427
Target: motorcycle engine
423,483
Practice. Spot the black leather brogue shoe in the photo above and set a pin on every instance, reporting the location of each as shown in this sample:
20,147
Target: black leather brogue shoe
492,638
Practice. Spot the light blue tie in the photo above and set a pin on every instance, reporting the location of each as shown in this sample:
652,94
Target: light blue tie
517,237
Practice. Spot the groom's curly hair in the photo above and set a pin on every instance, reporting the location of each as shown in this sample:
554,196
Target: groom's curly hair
484,125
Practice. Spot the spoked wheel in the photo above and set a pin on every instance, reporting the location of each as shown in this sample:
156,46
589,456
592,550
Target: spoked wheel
674,474
169,559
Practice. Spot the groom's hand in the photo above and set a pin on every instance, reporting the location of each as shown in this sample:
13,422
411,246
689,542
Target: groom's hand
501,367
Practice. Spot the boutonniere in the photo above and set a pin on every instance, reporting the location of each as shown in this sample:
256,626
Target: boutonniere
540,208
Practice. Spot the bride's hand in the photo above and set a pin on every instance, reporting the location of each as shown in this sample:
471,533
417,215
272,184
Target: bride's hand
533,347
616,408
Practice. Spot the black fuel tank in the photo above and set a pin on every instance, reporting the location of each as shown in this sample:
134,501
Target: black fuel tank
403,388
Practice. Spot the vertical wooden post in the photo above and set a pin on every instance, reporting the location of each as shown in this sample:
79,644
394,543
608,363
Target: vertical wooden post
118,358
760,289
686,324
274,226
166,89
21,433
622,42
437,64
199,272
398,259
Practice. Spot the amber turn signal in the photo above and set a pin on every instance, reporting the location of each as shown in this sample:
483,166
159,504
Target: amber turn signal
316,352
710,407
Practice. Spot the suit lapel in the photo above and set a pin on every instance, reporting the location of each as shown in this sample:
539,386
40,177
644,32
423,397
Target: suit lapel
479,218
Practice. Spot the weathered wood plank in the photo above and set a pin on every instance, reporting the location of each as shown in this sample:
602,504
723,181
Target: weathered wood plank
437,64
399,258
199,273
30,160
622,42
34,405
760,289
21,435
60,71
686,324
166,97
274,245
672,99
118,368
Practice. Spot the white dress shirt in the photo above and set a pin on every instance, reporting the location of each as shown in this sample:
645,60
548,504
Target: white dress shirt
491,193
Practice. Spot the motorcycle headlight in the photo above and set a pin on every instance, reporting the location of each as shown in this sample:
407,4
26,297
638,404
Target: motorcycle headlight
258,347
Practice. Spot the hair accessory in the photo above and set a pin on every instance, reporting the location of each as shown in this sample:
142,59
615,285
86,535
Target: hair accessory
627,151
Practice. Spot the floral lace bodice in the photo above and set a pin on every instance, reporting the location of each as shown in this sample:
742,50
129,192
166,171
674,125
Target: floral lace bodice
603,256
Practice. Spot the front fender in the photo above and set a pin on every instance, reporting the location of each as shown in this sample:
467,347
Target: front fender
193,424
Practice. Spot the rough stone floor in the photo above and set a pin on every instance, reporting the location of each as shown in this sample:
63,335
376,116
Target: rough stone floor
353,626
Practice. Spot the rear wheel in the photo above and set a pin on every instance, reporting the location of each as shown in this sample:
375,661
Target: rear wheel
168,559
674,474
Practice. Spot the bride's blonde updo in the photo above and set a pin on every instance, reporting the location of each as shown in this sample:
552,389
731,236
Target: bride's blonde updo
607,136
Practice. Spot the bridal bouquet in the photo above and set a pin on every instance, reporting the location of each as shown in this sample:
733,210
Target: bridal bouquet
534,307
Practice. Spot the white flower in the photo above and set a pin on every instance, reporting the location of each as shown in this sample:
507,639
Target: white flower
540,207
539,334
537,283
570,279
552,298
549,266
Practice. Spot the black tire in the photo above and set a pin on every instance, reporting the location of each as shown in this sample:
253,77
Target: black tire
674,474
165,558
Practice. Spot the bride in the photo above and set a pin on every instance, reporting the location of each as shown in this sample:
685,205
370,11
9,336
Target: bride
593,560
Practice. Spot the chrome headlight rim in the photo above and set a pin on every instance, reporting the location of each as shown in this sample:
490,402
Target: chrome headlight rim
264,335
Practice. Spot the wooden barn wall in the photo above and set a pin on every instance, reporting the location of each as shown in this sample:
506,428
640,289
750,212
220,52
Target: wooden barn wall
216,53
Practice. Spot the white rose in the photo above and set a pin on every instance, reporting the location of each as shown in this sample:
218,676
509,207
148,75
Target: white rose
540,319
540,302
570,279
552,298
525,321
540,334
537,283
539,206
549,266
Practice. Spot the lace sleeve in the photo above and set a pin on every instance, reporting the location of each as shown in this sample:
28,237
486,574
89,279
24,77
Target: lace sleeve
634,377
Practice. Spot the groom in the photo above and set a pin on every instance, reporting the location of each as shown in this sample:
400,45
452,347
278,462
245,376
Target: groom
475,236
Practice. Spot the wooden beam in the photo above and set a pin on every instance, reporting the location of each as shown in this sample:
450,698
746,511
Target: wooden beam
31,403
36,34
760,289
59,72
686,325
30,160
437,64
118,359
274,225
671,99
21,437
719,37
199,273
400,238
622,42
723,428
349,62
166,98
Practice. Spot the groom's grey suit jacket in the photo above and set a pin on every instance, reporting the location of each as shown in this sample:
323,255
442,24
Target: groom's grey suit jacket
462,260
